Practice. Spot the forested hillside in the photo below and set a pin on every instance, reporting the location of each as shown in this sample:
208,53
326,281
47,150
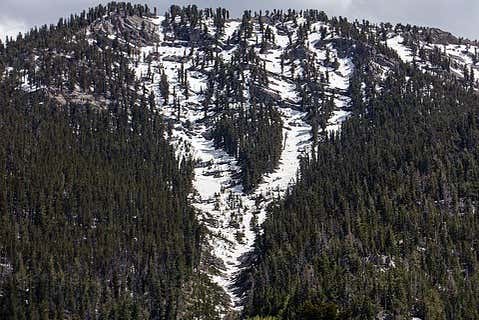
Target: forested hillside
383,219
95,221
280,165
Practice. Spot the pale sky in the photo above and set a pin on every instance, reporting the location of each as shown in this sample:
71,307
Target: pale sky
457,16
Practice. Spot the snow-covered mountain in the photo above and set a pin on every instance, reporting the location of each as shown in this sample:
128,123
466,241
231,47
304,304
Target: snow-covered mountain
200,67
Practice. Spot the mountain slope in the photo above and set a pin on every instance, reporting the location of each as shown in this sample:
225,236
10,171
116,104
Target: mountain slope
293,149
231,211
94,210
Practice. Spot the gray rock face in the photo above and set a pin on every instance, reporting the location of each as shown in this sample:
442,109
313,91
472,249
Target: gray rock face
136,28
442,37
345,47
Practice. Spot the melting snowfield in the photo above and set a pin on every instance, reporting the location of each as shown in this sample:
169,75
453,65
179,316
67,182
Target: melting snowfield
233,213
396,42
232,216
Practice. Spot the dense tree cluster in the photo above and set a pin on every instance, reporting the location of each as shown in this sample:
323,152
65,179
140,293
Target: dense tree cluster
189,24
248,125
254,136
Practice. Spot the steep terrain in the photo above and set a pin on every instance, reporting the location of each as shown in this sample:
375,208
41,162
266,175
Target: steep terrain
233,216
299,160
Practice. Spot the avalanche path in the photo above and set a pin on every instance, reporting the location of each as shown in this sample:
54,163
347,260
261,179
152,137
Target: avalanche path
232,216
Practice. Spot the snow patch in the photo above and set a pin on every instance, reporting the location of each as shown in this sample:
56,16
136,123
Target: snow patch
397,44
